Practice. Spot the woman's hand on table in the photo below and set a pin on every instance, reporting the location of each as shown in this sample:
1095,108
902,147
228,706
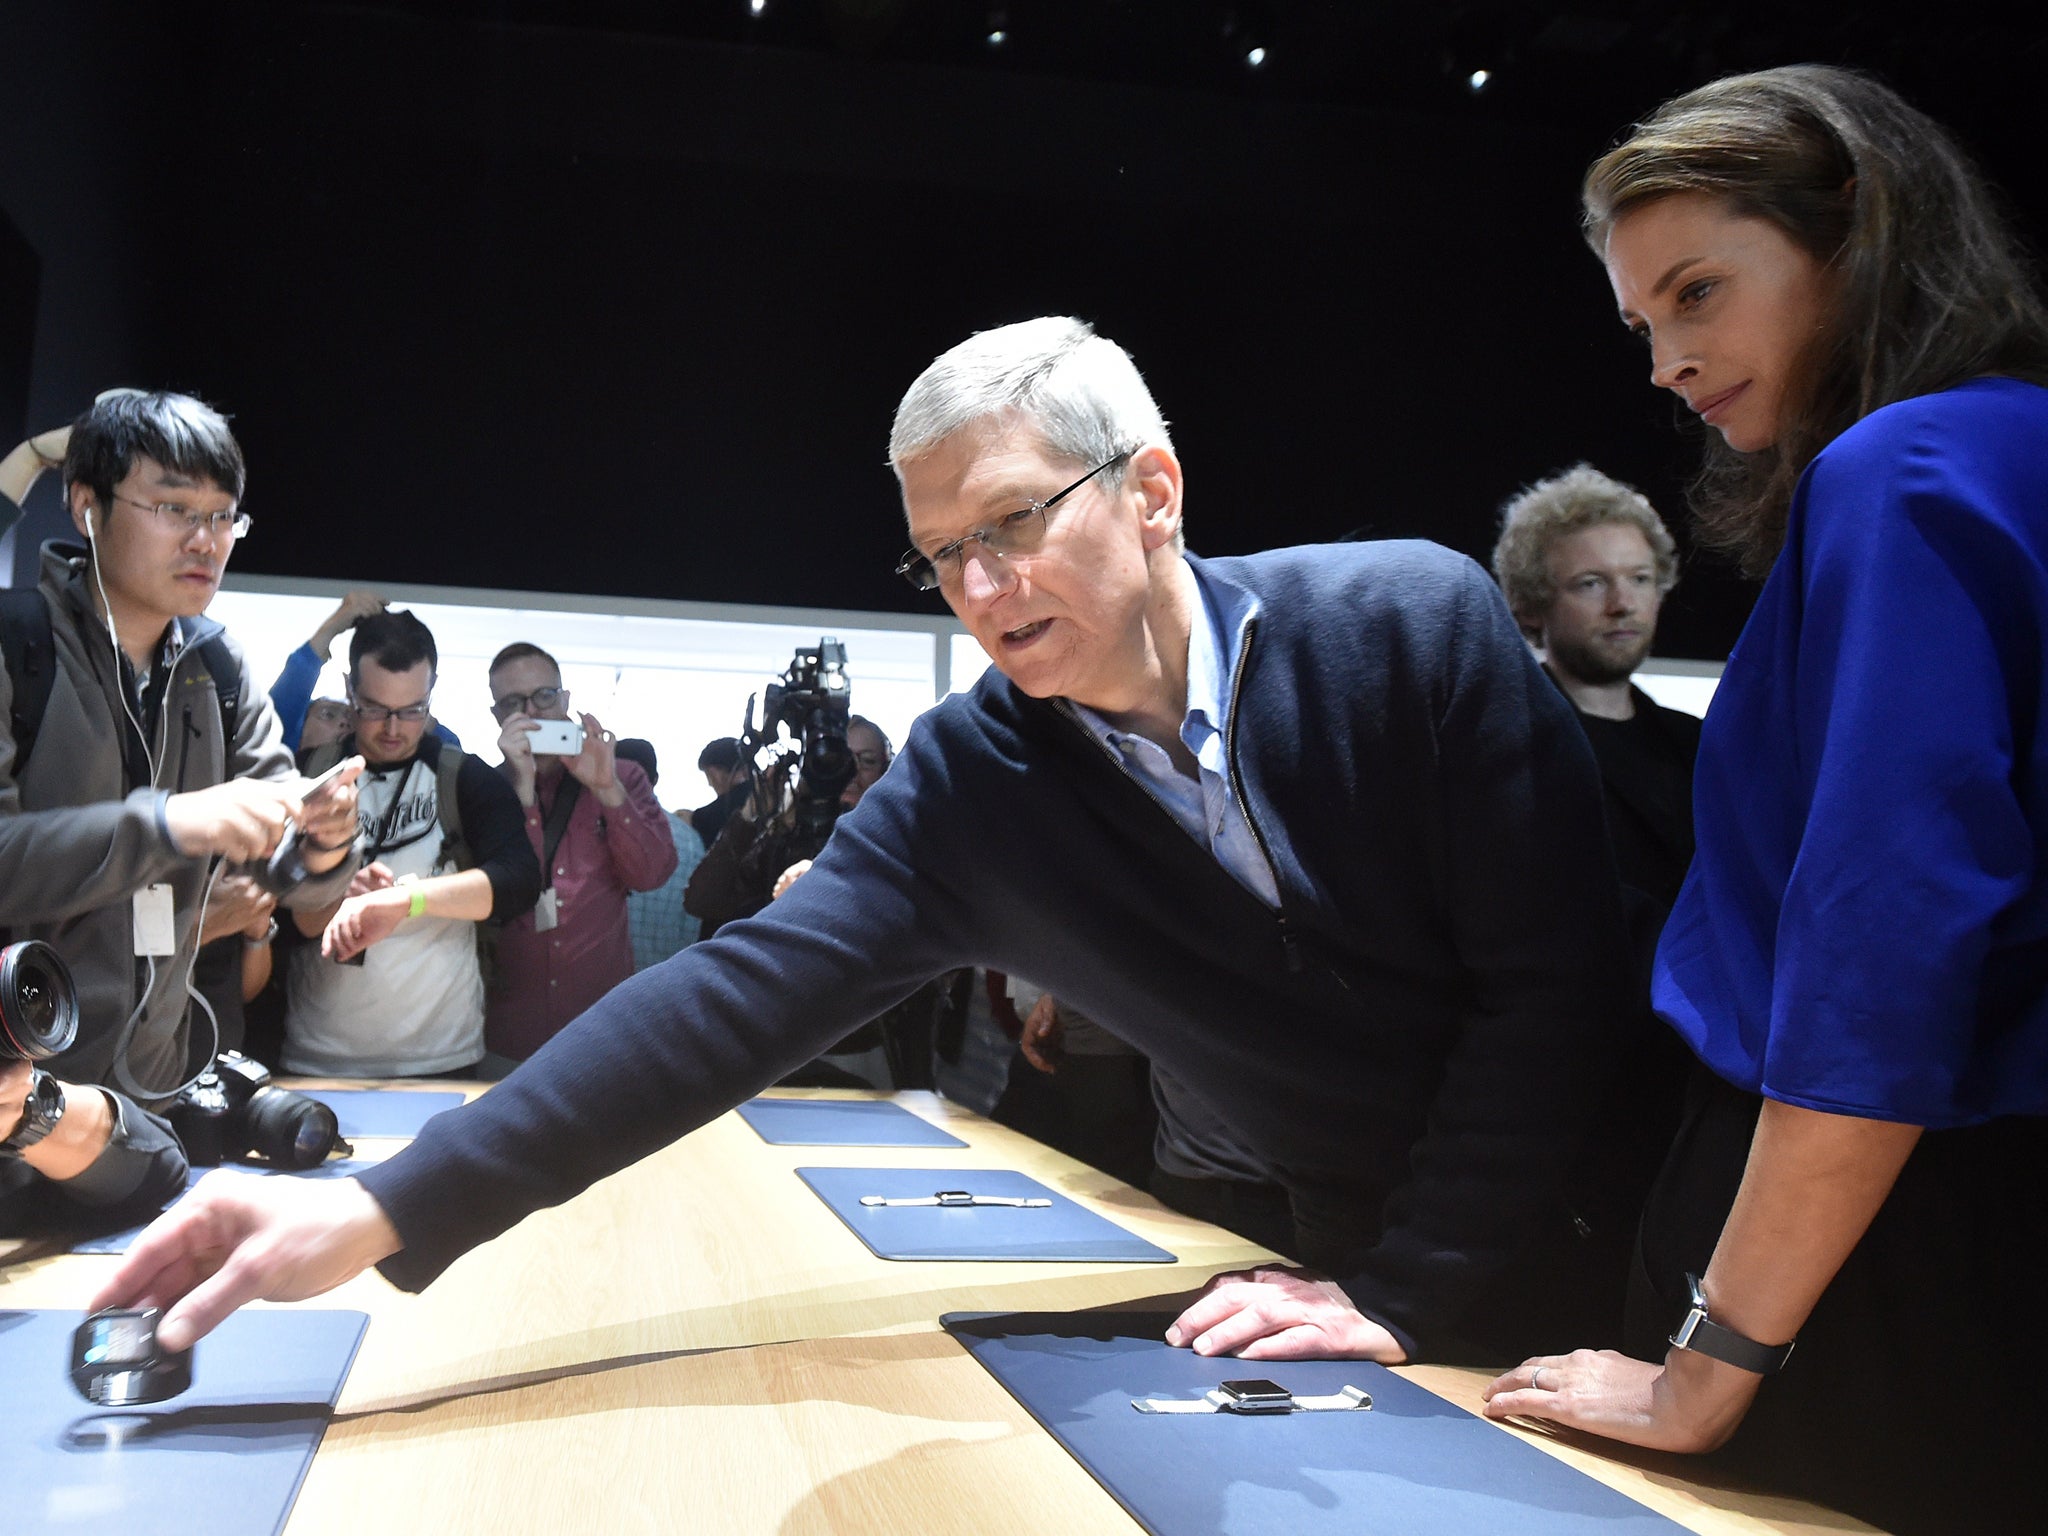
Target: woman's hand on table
1689,1403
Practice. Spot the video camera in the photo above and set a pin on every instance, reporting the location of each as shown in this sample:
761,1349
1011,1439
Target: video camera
812,700
232,1110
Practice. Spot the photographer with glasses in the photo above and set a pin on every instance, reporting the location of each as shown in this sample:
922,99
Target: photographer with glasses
598,833
394,987
141,761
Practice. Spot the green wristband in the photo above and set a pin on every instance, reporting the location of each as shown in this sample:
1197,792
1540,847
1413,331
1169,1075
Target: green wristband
419,903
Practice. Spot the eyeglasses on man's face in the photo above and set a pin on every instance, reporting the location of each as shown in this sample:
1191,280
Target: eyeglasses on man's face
185,521
535,703
1018,533
377,714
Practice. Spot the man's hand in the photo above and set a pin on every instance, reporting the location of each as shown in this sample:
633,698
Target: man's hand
354,608
1040,1041
515,740
789,877
15,1080
241,820
1281,1314
327,816
363,920
238,1238
237,905
595,766
374,876
1690,1403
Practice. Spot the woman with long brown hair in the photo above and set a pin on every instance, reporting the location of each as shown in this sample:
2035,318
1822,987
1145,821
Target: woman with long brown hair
1859,957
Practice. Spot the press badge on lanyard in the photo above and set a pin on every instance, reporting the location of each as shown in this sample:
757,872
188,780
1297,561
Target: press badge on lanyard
156,926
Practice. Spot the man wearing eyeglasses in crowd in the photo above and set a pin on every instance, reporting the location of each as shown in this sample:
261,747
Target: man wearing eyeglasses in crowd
1307,827
598,832
141,759
393,988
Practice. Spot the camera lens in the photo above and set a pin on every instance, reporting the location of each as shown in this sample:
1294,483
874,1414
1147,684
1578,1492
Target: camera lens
289,1130
38,1005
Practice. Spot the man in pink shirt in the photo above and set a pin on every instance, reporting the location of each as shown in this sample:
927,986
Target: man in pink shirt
598,833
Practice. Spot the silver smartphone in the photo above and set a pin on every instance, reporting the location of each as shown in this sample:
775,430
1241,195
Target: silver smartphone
560,738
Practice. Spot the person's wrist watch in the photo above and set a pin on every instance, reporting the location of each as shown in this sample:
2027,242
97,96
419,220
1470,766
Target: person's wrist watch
269,934
1703,1336
39,1116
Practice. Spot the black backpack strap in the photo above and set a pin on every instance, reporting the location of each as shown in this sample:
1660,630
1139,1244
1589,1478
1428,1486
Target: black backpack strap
448,805
227,689
31,654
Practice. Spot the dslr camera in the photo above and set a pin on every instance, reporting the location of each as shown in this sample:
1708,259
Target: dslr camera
38,1003
233,1111
812,700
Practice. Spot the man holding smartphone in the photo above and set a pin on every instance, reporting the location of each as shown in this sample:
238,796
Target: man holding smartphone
595,827
140,760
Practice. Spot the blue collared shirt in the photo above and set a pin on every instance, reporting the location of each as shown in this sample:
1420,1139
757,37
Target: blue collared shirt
1205,805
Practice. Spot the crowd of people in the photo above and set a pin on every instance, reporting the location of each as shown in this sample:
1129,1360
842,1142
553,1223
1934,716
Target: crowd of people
1349,896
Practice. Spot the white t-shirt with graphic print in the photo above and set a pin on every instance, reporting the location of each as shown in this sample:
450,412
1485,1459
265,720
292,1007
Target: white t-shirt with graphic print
416,1002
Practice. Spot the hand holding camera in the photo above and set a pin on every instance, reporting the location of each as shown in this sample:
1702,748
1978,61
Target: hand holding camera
594,763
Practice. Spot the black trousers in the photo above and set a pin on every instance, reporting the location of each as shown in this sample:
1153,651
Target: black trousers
1914,1398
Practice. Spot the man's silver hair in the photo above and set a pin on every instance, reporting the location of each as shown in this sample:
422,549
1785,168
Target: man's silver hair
1080,391
1553,509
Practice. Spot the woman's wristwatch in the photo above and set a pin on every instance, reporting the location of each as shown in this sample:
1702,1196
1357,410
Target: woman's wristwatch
1703,1336
269,934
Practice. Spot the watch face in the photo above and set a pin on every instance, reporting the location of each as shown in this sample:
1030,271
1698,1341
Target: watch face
115,1361
118,1341
1257,1390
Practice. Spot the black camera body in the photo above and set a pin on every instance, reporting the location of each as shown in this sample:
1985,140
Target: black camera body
233,1111
813,700
38,1003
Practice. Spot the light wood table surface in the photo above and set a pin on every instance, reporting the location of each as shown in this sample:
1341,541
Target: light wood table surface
698,1344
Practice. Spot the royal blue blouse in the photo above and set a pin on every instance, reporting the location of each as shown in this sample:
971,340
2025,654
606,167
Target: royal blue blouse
1865,927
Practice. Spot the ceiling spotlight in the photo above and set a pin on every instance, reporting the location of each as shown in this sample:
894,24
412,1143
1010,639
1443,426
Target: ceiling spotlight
997,38
1255,57
757,6
1478,80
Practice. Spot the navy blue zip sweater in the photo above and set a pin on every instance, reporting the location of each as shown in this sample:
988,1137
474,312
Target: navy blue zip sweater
1421,1020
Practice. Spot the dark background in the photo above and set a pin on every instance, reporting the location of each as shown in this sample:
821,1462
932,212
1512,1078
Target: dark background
618,297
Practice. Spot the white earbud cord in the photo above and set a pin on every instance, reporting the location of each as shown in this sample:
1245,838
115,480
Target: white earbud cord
119,1069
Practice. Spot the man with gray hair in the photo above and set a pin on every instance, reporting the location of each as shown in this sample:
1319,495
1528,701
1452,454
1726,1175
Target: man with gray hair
1309,828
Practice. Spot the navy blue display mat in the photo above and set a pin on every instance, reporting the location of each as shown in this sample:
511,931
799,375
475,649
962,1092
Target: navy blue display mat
383,1111
223,1459
117,1242
842,1123
1063,1231
1413,1465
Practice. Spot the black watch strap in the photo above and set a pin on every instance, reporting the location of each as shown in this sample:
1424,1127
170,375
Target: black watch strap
39,1116
1703,1336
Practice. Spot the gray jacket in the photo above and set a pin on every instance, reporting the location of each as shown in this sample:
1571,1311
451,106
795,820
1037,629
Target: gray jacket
78,838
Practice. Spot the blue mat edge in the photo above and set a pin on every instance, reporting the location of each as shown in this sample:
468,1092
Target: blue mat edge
951,1141
340,1383
1164,1257
947,1320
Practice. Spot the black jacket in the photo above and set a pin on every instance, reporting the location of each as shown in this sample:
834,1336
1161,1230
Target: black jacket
1420,1022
